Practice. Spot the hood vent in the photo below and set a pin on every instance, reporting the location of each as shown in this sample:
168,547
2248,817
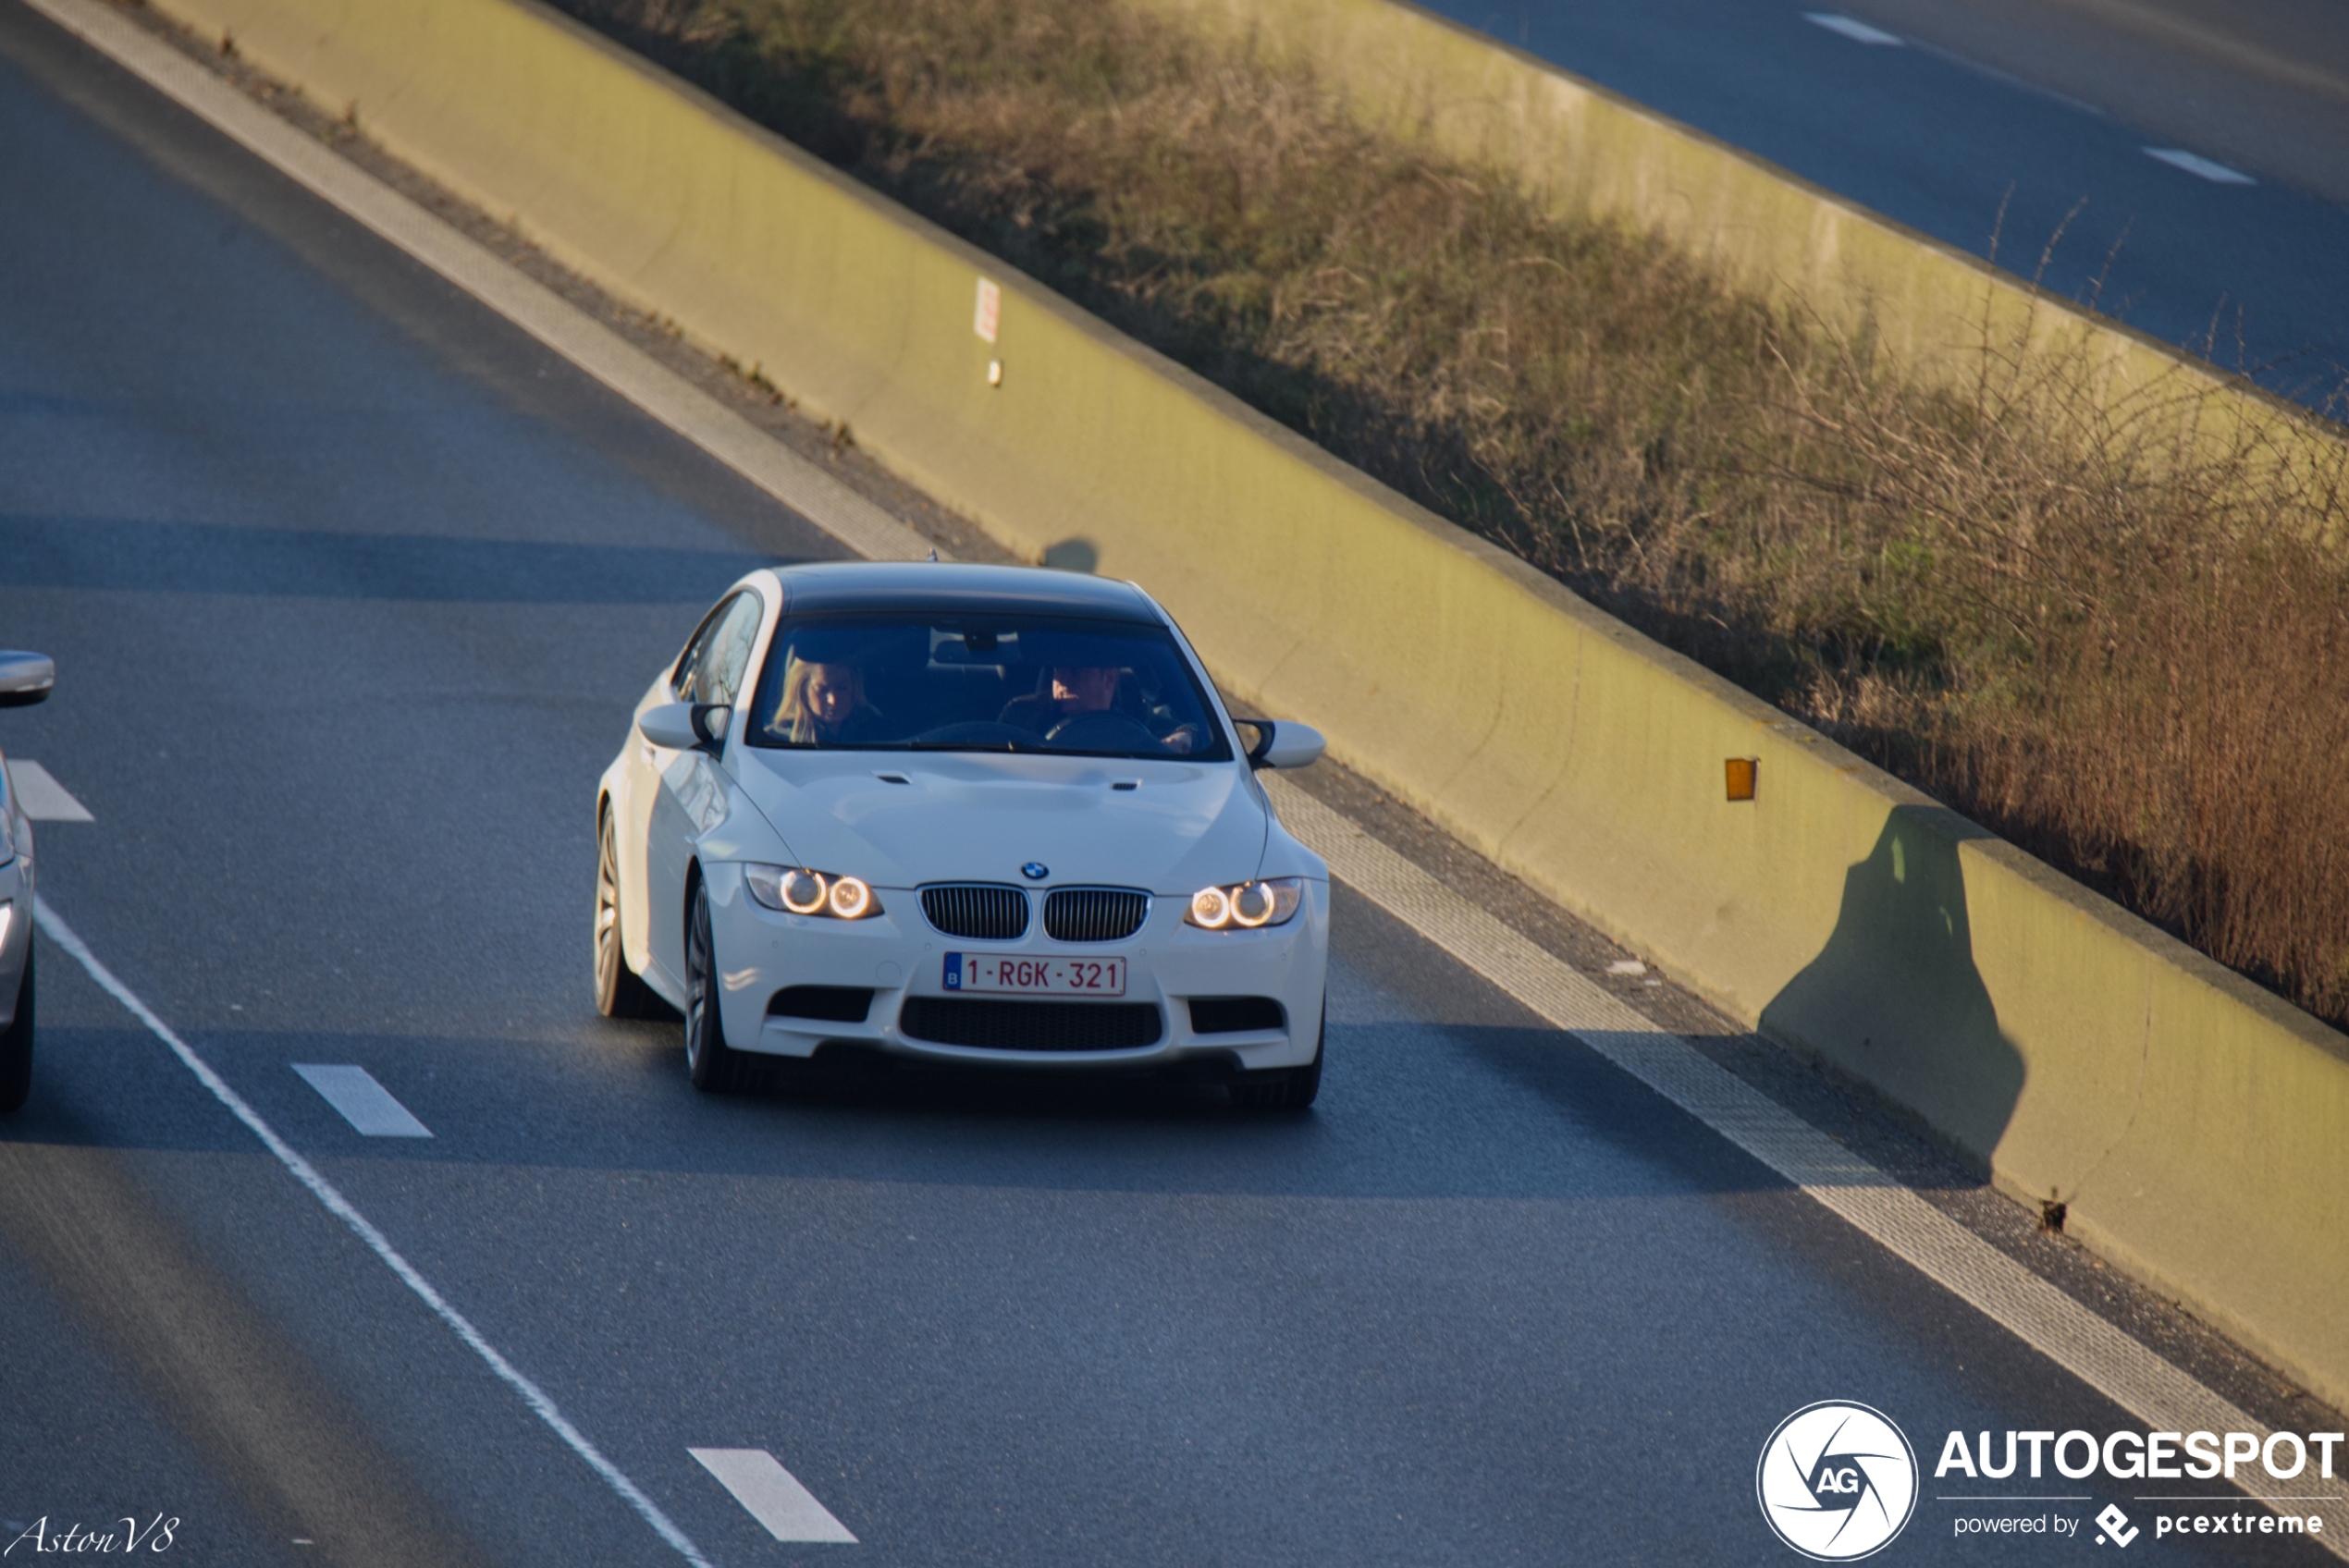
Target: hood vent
978,911
1094,914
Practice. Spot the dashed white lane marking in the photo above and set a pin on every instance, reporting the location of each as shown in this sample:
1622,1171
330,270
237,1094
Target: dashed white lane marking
610,358
772,1494
364,1103
43,798
1853,28
1869,1199
57,931
2195,164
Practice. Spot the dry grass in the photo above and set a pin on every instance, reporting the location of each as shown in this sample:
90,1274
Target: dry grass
2103,629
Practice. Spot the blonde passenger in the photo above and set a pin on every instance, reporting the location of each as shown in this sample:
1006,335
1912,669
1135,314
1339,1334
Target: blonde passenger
821,704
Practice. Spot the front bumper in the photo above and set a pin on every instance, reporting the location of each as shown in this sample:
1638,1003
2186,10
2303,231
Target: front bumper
898,955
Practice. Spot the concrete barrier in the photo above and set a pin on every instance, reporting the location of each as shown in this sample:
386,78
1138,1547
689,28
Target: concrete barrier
1590,153
2193,1125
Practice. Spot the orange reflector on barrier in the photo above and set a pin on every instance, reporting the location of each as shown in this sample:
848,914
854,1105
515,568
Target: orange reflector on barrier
1741,772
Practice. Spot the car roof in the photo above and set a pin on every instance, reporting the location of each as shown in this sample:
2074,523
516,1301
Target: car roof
929,586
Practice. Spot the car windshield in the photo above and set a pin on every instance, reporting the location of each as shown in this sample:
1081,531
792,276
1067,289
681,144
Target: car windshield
988,682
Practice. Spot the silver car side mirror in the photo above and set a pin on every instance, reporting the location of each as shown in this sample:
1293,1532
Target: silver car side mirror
25,678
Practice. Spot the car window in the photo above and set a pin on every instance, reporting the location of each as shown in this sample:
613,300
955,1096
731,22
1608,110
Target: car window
718,674
681,680
985,681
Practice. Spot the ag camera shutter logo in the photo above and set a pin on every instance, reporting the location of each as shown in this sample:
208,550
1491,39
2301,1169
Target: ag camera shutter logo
1837,1480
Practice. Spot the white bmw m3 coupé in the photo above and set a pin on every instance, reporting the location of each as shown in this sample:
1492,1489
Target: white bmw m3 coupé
972,814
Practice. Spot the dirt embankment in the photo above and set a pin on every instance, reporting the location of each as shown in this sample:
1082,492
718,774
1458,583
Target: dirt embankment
2117,632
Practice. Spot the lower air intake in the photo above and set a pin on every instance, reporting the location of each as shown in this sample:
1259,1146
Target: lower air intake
831,1004
1030,1026
1235,1015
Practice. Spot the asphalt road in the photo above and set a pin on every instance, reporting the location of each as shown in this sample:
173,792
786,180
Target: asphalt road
2002,126
350,587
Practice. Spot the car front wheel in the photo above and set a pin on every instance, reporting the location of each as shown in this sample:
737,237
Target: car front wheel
619,992
715,1067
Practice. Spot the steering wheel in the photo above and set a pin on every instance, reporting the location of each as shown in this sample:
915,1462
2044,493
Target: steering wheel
980,734
1103,733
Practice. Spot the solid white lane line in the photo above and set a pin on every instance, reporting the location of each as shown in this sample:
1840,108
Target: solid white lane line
57,931
610,358
364,1103
1853,28
1869,1199
772,1494
41,796
2195,164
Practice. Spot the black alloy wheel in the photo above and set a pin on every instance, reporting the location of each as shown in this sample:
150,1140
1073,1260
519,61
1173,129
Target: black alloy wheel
16,1043
1286,1088
620,993
715,1067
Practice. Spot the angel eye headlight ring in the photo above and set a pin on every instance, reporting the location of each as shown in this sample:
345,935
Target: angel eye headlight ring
804,891
1247,906
850,898
1211,908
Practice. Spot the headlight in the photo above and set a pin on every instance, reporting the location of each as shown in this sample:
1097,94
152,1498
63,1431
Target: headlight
797,890
1245,906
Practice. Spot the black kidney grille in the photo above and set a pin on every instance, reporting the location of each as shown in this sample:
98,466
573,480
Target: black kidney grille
982,911
1030,1026
1094,914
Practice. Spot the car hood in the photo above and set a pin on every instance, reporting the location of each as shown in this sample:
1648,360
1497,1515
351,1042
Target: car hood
980,817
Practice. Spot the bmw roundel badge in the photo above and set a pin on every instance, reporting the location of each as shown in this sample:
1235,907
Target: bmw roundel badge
1036,871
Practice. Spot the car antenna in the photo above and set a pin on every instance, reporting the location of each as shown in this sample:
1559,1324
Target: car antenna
933,552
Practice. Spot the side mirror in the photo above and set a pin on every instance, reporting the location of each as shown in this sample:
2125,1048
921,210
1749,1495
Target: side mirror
25,678
686,726
1285,744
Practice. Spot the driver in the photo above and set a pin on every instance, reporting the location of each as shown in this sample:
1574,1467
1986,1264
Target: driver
823,704
1070,691
1066,690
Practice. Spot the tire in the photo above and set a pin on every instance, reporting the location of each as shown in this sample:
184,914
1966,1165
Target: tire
1284,1088
715,1067
619,991
16,1043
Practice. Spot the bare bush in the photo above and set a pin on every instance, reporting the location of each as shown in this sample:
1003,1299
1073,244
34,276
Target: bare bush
2114,628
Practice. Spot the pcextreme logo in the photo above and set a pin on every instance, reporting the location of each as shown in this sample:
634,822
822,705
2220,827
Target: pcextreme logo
1837,1480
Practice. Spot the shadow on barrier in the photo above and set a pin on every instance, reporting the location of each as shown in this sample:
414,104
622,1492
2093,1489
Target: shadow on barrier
1894,998
1073,555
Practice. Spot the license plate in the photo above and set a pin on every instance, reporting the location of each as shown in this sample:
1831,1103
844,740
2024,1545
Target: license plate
1036,976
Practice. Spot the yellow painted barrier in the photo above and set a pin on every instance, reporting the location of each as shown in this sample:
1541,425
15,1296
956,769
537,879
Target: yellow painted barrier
1590,153
2197,1129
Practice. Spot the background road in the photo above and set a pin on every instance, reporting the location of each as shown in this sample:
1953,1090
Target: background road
350,587
1983,121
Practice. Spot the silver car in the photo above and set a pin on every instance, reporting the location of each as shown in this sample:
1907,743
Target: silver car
25,678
